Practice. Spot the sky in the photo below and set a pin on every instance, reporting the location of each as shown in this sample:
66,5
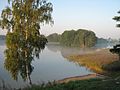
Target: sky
94,15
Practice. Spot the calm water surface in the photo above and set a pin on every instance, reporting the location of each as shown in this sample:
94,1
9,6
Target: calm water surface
52,65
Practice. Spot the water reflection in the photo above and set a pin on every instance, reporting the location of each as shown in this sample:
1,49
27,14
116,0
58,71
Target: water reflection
67,51
50,66
70,51
20,54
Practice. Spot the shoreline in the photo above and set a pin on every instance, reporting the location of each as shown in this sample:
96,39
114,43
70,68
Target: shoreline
93,61
83,77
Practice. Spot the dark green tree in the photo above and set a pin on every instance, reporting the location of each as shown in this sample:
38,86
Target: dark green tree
67,38
23,39
53,37
117,18
80,38
116,48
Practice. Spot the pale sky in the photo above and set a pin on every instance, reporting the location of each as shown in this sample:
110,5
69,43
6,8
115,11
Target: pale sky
94,15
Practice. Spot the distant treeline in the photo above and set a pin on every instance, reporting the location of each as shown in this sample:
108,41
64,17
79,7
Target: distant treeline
79,38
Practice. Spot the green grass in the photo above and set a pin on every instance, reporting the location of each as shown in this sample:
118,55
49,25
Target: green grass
91,84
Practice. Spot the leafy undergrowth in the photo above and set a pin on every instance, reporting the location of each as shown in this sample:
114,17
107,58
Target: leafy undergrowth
114,66
91,84
113,69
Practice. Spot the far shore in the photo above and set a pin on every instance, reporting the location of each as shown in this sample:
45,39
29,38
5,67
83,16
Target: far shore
96,60
93,61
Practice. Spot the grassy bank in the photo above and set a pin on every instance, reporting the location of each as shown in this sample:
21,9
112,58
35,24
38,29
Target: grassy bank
91,84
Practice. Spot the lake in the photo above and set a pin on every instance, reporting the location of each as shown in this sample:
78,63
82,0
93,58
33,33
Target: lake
52,65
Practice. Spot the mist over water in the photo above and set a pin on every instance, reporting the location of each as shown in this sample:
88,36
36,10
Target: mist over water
52,64
67,51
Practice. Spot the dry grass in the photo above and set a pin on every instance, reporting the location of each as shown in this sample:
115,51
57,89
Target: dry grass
95,60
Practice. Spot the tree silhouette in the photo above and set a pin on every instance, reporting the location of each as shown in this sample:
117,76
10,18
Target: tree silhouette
117,18
23,39
116,48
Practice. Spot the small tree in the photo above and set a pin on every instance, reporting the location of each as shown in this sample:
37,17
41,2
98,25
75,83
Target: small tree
116,48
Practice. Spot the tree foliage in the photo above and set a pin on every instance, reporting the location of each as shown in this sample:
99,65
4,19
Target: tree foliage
23,39
117,18
53,37
116,48
80,38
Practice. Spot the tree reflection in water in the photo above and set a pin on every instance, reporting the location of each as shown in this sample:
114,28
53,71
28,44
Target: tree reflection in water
18,57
